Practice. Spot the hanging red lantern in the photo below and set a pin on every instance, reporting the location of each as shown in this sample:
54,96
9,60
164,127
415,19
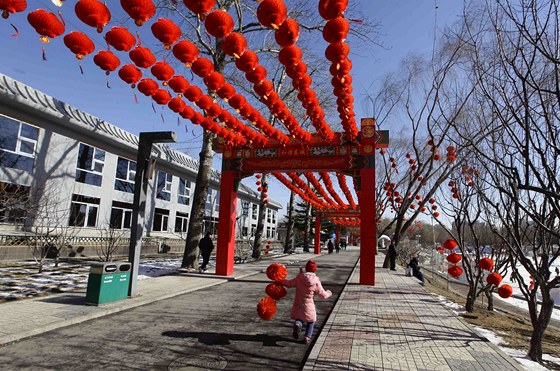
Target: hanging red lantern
79,44
256,75
454,258
176,104
93,13
234,44
12,6
337,52
214,81
329,9
142,57
178,84
130,74
455,271
107,61
186,52
272,13
237,101
46,24
193,93
187,113
290,55
275,290
219,23
494,279
505,291
204,102
276,272
288,33
486,264
226,91
162,71
161,97
450,244
200,7
436,214
139,10
202,67
264,87
147,87
120,38
247,61
166,31
336,30
266,308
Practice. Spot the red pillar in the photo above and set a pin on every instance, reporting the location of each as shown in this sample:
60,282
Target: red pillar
368,226
337,230
226,224
317,249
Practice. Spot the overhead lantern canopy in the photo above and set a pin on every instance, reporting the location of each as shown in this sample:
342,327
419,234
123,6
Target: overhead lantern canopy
139,10
12,6
219,23
79,43
272,13
120,38
166,31
46,24
94,13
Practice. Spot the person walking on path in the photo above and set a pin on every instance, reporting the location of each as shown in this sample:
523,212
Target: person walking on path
307,285
206,246
330,247
392,252
416,269
337,247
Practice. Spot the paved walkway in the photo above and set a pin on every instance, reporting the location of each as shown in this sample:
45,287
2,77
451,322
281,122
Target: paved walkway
395,325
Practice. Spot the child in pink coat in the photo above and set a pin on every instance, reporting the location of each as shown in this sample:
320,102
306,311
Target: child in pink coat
307,285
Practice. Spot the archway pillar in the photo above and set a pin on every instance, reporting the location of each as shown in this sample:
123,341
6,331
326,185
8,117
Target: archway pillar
226,221
317,240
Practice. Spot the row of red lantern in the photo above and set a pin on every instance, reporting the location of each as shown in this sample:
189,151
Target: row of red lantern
315,183
329,185
305,188
335,31
266,308
262,187
297,191
346,222
344,187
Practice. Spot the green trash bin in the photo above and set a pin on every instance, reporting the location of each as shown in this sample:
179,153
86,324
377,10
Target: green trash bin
107,281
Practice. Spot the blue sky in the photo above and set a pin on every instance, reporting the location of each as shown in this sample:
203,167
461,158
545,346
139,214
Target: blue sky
407,26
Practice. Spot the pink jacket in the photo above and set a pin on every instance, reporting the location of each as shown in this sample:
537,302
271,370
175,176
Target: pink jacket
307,285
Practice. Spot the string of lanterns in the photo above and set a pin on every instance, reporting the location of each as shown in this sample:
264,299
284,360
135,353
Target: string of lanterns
305,188
315,183
266,307
297,191
344,187
329,185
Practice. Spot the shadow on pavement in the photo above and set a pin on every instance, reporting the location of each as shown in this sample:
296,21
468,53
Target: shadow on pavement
221,338
69,299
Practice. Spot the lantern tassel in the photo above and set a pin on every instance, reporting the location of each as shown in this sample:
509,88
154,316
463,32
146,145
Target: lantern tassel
138,38
162,119
61,18
107,83
135,98
193,134
43,53
17,31
81,69
178,123
154,108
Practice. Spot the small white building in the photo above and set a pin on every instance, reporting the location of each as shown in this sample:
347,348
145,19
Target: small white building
62,169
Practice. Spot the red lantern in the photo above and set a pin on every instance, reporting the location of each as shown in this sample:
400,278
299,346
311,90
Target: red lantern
186,52
247,61
203,67
139,10
329,9
79,44
142,57
494,278
256,75
162,71
46,24
176,104
120,38
161,97
290,55
193,93
148,87
505,291
436,214
450,244
204,102
93,13
234,44
12,6
219,23
276,272
275,290
214,81
226,91
455,271
130,74
107,61
266,308
200,7
336,30
166,31
187,113
272,13
486,264
288,33
337,52
454,258
178,84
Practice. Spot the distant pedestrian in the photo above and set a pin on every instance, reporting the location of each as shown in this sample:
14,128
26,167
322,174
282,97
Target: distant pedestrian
337,247
330,247
343,244
392,252
416,269
206,246
307,285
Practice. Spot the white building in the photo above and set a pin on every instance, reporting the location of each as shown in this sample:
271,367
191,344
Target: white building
78,172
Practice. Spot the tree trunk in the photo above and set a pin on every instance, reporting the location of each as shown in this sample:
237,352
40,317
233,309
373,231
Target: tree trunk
289,226
490,297
539,328
471,298
196,223
257,246
306,228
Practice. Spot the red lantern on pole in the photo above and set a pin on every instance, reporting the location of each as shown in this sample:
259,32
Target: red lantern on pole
162,71
455,271
494,279
505,291
147,87
107,61
186,52
79,44
486,264
120,38
219,23
166,31
130,74
93,13
161,97
450,244
142,57
46,24
139,10
272,13
12,6
454,258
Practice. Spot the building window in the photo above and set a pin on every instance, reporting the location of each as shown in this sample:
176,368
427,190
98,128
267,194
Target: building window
83,212
184,194
121,215
217,202
164,181
273,233
13,201
245,208
161,220
268,215
274,217
181,222
208,204
244,231
18,143
126,171
267,232
253,229
255,213
89,166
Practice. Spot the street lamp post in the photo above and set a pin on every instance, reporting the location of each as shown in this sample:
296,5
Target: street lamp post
144,170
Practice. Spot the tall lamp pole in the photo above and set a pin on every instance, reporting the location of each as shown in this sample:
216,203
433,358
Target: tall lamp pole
144,170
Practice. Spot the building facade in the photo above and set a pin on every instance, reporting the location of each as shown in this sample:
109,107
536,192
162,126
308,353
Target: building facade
64,171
